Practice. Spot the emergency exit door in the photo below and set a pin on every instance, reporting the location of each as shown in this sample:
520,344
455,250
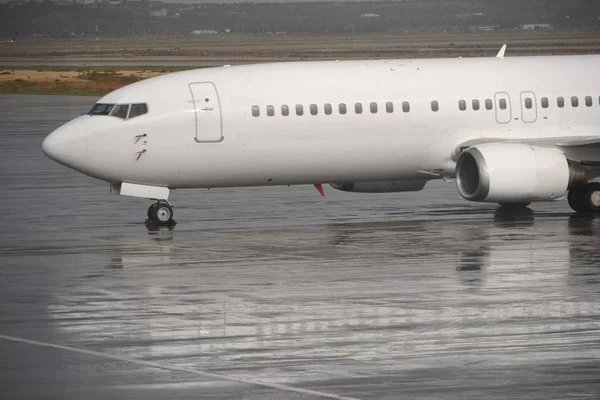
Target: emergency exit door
503,109
528,107
209,127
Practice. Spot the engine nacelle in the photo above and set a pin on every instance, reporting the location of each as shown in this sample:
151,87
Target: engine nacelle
512,173
413,185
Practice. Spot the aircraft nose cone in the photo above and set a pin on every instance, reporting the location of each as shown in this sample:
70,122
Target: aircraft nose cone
51,147
67,144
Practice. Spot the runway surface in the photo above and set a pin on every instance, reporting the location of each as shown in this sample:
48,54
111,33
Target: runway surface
277,293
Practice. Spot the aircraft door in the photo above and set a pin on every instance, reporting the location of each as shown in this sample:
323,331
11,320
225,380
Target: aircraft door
503,109
207,107
528,107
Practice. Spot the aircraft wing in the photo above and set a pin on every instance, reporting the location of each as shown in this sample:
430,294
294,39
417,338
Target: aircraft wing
577,148
581,141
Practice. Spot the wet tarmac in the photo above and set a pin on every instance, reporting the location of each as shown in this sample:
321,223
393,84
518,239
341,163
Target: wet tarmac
277,293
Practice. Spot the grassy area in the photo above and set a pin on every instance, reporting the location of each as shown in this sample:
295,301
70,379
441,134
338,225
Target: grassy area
92,81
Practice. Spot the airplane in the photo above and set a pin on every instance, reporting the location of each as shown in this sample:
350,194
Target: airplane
13,40
508,130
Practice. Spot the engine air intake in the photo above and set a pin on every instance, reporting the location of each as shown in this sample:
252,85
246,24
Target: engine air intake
513,173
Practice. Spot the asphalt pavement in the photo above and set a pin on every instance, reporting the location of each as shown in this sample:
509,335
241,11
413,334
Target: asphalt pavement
278,293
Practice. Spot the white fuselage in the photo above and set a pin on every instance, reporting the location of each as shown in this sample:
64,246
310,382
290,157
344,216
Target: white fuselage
194,138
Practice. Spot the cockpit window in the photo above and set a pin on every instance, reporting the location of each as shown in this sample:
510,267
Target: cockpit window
123,111
101,109
137,110
120,111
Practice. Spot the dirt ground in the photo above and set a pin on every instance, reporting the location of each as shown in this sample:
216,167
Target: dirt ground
94,81
9,74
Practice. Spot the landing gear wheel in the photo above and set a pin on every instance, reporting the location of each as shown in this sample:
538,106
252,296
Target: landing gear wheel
574,198
151,211
586,199
161,213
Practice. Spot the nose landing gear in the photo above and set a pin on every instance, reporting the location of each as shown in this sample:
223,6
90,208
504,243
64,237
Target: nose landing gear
161,213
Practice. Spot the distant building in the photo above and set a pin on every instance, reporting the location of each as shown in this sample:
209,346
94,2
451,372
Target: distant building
468,15
159,13
483,28
536,26
369,15
86,2
205,32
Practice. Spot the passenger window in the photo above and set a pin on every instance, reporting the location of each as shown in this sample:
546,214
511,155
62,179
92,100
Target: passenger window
327,109
405,106
489,105
255,111
270,111
475,104
502,104
575,101
528,103
342,108
462,105
313,109
373,107
389,107
560,102
545,103
588,101
101,109
285,110
138,109
358,108
299,109
435,106
120,111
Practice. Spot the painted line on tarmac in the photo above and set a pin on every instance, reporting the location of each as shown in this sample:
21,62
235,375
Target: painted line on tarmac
204,374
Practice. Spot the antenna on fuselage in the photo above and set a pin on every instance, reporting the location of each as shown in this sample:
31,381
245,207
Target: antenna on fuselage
500,54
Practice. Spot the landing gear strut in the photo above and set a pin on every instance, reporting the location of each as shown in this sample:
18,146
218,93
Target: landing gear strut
161,213
586,198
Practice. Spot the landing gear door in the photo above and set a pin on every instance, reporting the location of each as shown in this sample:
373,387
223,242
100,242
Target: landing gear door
207,107
503,109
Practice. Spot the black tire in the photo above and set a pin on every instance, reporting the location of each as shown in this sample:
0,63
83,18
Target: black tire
151,211
574,199
162,214
589,201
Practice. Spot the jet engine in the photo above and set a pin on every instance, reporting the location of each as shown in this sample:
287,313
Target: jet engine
514,173
413,185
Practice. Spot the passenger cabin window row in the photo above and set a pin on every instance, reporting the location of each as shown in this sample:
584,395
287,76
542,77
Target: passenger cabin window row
122,111
373,107
560,101
341,108
476,105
